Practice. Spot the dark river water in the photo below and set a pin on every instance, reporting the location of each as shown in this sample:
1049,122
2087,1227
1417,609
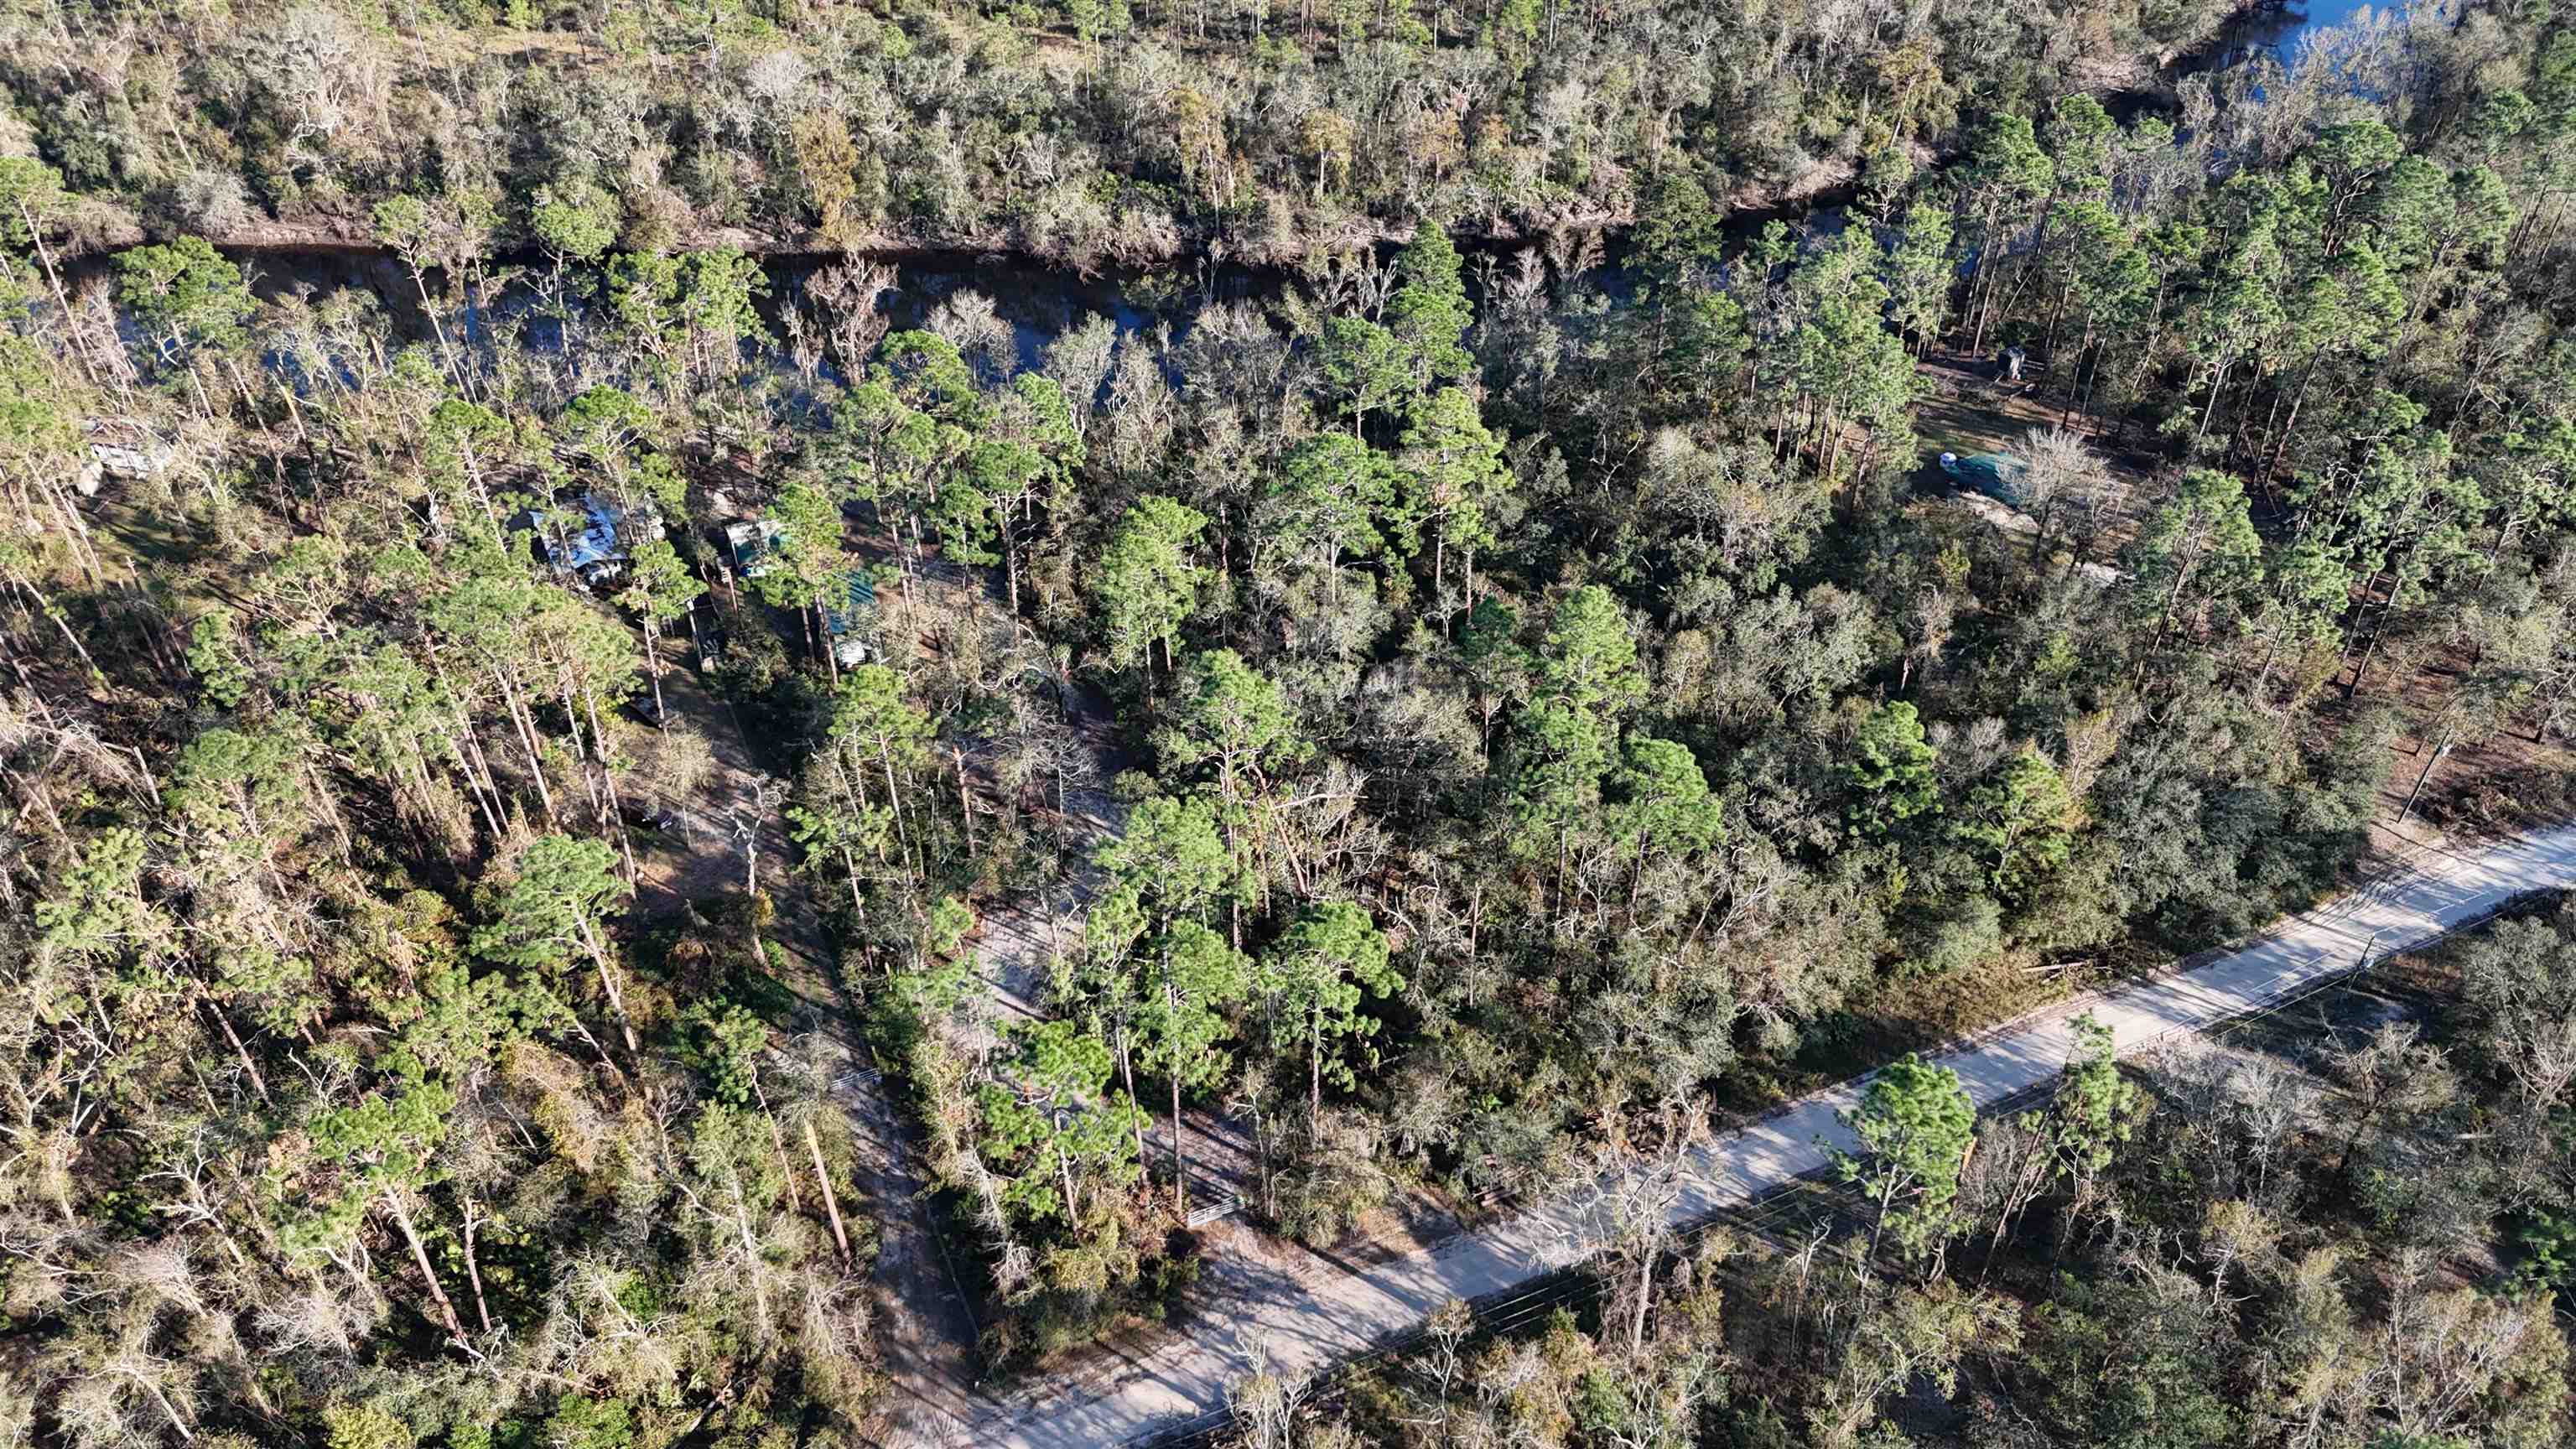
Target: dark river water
2280,32
1040,302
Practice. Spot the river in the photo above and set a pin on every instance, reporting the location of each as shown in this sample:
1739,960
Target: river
2280,32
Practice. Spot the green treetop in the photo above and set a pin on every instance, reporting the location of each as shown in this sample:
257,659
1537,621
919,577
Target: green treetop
1315,977
1148,584
1892,768
1053,1119
1191,978
1914,1124
556,904
2020,822
184,295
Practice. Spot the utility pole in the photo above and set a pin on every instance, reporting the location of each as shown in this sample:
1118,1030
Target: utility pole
2439,751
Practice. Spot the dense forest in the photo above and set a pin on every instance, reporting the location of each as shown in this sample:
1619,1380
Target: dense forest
1084,130
2159,1257
598,822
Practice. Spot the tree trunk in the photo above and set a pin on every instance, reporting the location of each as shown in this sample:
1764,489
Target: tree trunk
2217,380
45,606
653,657
858,903
582,754
1315,1075
1180,1183
474,1270
45,257
2363,667
1886,1201
894,798
1645,1292
608,784
527,732
487,797
167,1409
257,1082
420,1255
751,890
2173,601
420,284
831,1200
1127,1078
1269,1188
1064,1172
608,985
2438,752
2281,445
751,1258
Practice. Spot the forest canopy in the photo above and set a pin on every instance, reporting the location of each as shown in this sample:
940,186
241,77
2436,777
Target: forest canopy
637,815
1080,131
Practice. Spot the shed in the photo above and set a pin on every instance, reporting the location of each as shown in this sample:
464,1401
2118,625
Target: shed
754,546
602,542
123,449
845,619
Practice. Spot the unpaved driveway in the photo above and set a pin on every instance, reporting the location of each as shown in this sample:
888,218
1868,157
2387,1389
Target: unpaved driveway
924,1327
1307,1323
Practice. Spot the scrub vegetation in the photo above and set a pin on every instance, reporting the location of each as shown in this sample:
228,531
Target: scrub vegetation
509,777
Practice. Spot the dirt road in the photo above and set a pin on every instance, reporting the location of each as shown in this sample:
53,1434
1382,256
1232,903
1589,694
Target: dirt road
925,1328
1308,1322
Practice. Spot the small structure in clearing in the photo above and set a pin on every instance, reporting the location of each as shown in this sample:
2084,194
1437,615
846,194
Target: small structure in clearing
754,546
846,620
593,537
123,450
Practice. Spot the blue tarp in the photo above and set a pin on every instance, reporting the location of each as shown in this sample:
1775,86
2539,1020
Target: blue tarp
595,542
1996,475
603,533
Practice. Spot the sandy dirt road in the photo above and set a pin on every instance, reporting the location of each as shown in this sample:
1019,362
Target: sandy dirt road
1308,1324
